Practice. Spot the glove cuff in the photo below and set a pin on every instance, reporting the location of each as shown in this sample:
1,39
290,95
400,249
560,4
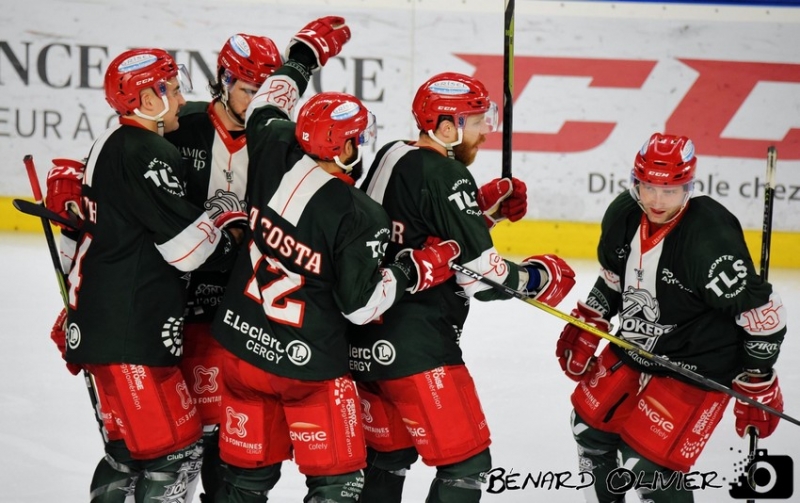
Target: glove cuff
754,383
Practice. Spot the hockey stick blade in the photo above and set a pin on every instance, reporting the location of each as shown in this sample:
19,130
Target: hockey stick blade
624,344
37,210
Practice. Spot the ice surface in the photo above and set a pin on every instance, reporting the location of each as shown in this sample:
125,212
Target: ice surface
49,443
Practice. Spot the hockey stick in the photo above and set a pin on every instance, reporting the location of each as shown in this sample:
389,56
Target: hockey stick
37,210
661,360
769,199
508,87
48,231
60,276
766,243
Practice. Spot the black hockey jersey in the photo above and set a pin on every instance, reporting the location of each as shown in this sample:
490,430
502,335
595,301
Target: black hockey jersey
690,292
126,287
426,194
313,264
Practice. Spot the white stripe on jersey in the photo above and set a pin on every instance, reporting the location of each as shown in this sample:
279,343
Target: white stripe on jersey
382,298
297,187
191,247
489,264
383,173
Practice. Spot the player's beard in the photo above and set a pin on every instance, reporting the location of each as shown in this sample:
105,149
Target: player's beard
465,152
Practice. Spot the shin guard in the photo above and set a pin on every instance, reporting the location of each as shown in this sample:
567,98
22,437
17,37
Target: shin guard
345,488
385,475
247,485
461,482
173,477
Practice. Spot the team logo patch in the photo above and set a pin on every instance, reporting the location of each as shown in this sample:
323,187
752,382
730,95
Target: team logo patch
172,335
73,336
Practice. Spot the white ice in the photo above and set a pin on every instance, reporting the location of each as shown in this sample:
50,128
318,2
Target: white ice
49,443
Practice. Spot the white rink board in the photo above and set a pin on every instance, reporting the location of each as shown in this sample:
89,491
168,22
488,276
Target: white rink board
593,81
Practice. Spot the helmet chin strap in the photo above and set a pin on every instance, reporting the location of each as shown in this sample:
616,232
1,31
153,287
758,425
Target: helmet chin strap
236,118
158,119
347,168
448,146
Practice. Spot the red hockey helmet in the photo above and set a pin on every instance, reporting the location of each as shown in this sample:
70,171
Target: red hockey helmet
249,58
455,95
328,120
138,69
665,160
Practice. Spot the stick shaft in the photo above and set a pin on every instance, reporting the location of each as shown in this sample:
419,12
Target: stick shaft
661,360
508,87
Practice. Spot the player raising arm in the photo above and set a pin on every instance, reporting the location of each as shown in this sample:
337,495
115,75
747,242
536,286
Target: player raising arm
312,267
212,140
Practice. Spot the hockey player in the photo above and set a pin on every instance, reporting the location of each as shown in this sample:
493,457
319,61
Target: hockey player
417,394
311,268
138,237
212,141
677,273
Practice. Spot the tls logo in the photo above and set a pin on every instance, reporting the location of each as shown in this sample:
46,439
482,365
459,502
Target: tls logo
162,176
727,281
378,248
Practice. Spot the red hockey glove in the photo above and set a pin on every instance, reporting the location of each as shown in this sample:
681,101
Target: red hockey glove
503,198
765,389
235,222
432,262
232,218
575,348
325,37
64,182
59,335
556,285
